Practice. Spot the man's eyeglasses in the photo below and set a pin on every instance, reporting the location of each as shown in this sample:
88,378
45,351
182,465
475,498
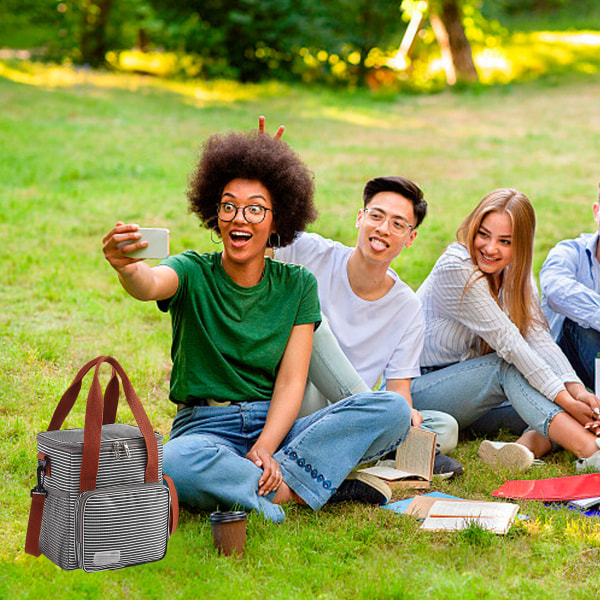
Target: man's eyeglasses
378,217
253,213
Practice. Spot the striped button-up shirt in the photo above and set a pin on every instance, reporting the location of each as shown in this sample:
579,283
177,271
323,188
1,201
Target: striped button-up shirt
460,311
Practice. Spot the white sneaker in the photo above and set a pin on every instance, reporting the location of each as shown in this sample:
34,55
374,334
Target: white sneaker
591,463
507,454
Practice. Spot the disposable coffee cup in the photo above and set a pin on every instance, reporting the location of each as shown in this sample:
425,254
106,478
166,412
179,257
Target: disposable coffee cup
229,531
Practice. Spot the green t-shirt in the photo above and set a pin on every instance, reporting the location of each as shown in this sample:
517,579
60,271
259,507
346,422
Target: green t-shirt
228,340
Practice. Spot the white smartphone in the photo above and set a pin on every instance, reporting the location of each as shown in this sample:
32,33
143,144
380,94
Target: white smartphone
158,243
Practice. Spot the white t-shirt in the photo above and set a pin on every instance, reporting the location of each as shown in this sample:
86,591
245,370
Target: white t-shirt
382,336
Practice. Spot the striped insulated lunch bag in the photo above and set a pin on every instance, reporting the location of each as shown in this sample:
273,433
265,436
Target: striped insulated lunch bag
100,501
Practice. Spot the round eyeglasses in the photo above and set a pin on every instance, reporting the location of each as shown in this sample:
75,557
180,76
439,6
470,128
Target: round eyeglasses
378,217
253,213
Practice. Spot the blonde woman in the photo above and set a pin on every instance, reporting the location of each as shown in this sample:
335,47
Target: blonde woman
487,342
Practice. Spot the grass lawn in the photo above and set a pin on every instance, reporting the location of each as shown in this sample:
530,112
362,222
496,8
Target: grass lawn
83,150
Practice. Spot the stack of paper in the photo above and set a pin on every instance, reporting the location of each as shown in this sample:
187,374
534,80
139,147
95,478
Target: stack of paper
586,503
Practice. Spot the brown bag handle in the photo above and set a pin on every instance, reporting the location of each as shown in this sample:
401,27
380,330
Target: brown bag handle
111,399
174,507
66,403
100,412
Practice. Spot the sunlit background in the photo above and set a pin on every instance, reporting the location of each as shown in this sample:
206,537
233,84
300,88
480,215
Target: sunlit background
199,48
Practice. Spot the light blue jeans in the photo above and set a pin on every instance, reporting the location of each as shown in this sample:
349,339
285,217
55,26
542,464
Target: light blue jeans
469,389
205,454
331,377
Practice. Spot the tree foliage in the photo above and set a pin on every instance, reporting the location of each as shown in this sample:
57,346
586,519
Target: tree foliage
308,40
255,38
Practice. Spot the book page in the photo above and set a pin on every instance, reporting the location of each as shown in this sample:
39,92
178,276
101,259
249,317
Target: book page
417,452
390,474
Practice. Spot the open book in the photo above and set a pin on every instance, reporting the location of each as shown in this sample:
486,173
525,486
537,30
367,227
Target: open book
413,467
493,516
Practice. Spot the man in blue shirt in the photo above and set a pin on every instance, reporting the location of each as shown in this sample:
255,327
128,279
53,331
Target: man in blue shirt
570,283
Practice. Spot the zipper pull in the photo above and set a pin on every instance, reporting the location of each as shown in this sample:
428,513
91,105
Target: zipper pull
116,450
126,448
41,475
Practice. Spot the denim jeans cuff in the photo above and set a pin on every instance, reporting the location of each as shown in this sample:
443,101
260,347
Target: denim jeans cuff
548,420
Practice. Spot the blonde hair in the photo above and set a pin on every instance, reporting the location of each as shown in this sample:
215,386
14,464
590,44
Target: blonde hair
517,289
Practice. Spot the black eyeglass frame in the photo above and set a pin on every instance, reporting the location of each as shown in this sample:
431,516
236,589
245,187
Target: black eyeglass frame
243,209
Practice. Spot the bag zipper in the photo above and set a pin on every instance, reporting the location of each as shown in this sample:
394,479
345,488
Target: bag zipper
77,447
117,445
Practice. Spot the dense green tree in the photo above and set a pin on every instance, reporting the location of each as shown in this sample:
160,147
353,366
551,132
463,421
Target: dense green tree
361,25
247,36
28,22
256,38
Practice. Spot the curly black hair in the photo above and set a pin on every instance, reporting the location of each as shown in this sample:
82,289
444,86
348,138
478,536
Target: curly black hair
256,156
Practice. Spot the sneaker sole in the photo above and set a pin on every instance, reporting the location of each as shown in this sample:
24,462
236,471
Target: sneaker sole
448,474
373,481
511,456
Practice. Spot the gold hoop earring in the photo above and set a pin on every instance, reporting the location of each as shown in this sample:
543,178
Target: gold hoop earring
219,240
271,243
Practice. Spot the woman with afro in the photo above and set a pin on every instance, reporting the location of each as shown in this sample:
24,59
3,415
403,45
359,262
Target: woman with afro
242,336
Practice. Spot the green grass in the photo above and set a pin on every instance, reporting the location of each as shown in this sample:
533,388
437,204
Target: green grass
78,157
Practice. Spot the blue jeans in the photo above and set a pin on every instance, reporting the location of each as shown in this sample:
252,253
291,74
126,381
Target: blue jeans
331,377
580,346
503,416
469,389
205,454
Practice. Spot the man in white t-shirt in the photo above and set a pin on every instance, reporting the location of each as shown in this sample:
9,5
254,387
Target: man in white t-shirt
375,317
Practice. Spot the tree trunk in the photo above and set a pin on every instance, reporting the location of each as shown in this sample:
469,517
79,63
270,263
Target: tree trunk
457,57
93,31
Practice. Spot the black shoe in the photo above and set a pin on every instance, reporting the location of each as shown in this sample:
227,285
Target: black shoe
389,456
445,467
362,487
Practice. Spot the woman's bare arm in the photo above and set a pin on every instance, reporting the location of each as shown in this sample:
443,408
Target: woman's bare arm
285,405
139,279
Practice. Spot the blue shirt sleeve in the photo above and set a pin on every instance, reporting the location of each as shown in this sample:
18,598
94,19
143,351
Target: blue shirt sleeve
569,285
